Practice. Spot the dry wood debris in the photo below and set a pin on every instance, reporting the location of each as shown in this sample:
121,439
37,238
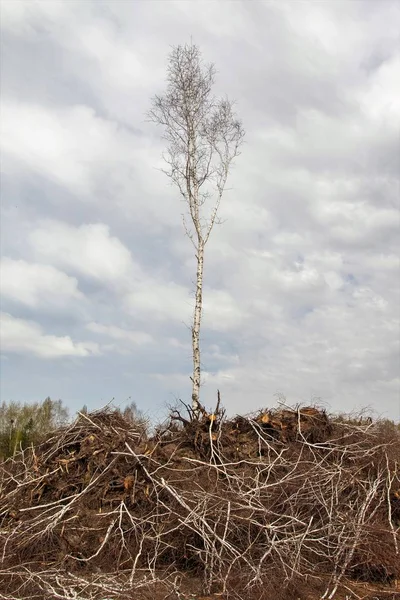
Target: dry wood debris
285,503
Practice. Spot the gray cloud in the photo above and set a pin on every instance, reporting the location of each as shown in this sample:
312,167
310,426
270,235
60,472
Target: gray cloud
302,280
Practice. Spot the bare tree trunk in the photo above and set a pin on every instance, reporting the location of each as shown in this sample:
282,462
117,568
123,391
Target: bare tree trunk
196,329
203,136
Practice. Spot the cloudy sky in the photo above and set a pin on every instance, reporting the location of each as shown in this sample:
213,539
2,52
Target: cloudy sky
301,280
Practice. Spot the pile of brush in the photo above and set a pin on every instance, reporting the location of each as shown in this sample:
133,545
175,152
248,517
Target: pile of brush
285,503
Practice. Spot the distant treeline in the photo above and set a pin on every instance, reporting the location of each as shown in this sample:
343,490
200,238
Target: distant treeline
24,424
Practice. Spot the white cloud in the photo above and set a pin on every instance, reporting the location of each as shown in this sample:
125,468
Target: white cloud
173,303
26,337
301,281
221,311
136,338
26,17
37,285
353,339
380,99
88,250
159,301
70,146
81,30
92,158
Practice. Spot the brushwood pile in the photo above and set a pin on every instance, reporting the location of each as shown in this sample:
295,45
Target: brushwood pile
287,503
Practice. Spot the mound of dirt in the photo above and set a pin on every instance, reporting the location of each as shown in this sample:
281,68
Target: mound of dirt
285,503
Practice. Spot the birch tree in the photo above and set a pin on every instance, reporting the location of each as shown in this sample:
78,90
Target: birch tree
203,136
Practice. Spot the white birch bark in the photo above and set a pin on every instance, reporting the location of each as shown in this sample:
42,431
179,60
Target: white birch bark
203,138
196,378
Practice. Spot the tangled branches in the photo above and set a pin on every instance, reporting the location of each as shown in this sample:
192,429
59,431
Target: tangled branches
252,507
